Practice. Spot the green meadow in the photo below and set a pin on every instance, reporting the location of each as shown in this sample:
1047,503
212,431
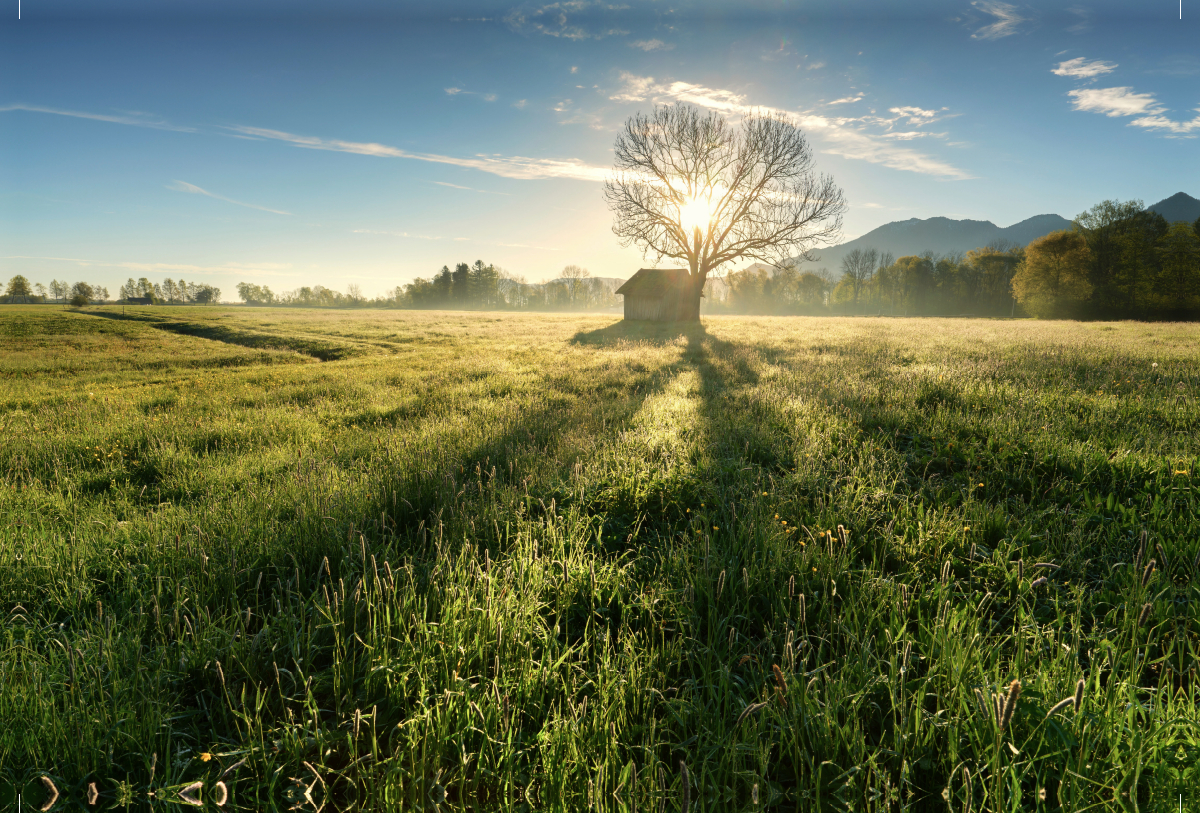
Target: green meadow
443,561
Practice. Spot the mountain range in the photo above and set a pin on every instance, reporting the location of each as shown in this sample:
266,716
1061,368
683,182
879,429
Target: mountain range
1178,207
941,235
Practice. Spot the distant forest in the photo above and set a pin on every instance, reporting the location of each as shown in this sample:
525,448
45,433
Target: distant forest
478,286
1118,261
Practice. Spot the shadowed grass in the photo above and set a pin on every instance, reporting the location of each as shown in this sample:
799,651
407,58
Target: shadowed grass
519,562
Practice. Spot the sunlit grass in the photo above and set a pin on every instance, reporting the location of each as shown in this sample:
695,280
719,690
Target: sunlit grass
542,562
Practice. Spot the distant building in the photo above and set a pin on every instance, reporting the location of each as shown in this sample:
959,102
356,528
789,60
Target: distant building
657,295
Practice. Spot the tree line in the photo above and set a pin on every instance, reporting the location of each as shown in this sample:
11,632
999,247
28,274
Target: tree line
21,290
170,291
1117,261
478,286
79,294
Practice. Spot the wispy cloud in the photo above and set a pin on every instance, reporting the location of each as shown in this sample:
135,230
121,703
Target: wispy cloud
1084,24
517,167
390,233
1115,102
1007,20
457,91
848,99
260,269
850,137
552,20
651,45
467,188
1080,68
133,119
184,186
1124,102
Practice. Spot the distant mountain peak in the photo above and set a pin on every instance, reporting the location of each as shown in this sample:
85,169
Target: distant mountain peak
941,235
1180,206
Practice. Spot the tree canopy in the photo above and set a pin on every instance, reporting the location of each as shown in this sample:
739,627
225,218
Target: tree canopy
692,187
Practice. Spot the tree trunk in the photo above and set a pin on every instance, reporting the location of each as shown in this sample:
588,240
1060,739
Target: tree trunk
690,310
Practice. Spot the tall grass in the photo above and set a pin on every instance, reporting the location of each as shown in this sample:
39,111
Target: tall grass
516,562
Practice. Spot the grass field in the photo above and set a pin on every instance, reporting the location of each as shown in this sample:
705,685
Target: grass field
429,560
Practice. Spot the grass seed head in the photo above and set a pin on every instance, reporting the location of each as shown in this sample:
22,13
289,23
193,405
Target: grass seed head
1144,616
1078,698
1038,582
1148,572
220,794
1059,706
685,791
1010,703
749,711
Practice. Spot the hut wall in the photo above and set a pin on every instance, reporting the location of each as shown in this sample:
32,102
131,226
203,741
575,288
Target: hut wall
646,308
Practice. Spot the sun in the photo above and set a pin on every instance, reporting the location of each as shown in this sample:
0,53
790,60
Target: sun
696,212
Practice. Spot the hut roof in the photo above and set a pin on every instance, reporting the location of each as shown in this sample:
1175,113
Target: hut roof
653,281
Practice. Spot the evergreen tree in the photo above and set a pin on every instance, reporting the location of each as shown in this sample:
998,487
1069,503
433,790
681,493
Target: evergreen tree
460,289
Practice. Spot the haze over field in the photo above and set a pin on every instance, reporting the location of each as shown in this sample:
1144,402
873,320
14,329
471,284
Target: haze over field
370,144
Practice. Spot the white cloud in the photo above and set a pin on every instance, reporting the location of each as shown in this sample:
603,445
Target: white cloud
651,45
133,119
848,99
517,167
574,69
634,88
1115,102
844,136
1124,102
814,66
520,104
184,186
915,114
911,134
453,91
1080,68
1007,20
1162,123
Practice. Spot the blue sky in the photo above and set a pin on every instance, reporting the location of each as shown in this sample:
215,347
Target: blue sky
296,143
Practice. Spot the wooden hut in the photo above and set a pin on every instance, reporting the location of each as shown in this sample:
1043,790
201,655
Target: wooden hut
657,295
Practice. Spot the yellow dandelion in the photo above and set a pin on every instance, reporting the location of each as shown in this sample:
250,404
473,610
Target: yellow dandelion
814,570
785,522
777,516
205,757
764,493
981,485
716,527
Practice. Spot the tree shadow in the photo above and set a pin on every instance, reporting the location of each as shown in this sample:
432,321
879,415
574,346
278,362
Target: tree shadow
654,333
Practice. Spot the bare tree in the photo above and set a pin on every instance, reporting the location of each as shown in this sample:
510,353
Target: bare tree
857,268
692,187
574,277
